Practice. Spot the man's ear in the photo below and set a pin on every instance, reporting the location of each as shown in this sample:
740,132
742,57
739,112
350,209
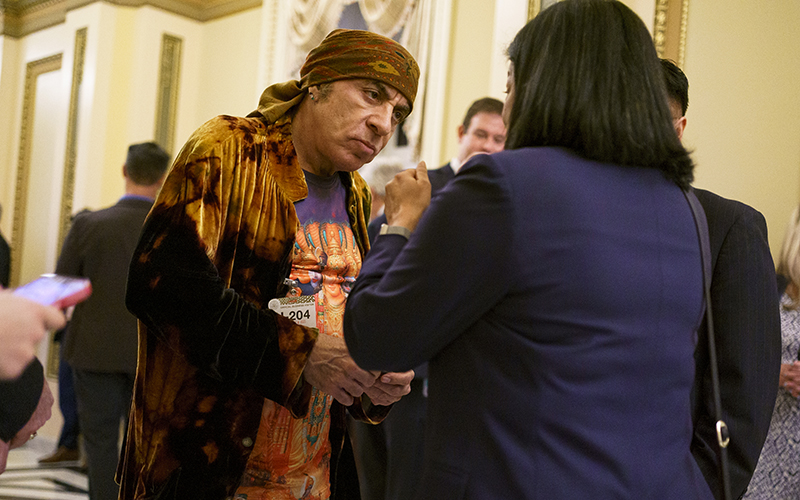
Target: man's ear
461,131
680,125
125,171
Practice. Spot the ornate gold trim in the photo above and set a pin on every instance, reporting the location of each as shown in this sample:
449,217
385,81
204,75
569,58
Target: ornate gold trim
534,6
167,100
32,72
684,30
271,42
68,185
53,356
660,26
23,17
669,29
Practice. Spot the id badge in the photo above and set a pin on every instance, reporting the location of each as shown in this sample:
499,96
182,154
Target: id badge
304,310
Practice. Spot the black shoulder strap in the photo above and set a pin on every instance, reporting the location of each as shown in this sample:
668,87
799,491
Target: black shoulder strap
723,438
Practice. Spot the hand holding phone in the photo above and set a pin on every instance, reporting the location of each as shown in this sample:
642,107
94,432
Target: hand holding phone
56,290
23,324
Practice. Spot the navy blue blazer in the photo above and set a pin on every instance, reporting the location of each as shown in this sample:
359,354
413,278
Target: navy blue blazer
438,178
557,301
747,333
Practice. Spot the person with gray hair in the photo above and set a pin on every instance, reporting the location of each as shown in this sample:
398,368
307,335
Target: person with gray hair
377,179
481,131
778,469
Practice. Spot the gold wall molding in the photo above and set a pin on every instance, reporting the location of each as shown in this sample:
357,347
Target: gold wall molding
32,72
68,185
19,18
536,6
270,48
669,29
168,84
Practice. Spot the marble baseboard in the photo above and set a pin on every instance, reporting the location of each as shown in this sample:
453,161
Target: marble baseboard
25,478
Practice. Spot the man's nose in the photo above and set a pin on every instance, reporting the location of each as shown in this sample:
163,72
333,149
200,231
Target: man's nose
381,120
491,146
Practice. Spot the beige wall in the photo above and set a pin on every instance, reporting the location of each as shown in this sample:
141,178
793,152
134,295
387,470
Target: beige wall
480,33
117,106
9,90
238,94
743,65
742,60
118,97
468,78
16,54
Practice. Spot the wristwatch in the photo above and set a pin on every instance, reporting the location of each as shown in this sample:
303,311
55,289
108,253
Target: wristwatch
402,231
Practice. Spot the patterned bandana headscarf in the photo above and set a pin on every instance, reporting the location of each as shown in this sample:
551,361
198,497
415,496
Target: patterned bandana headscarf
345,54
361,54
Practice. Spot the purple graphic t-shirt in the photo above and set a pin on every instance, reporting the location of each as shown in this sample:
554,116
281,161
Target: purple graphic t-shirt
291,457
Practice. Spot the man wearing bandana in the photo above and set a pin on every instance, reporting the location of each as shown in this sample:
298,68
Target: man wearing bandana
233,400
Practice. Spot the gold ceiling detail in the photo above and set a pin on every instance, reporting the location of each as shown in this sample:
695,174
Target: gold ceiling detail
22,17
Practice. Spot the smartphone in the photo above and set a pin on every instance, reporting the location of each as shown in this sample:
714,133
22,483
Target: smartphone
56,290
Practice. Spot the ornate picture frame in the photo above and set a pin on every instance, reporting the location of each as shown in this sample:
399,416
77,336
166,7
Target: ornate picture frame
669,26
536,6
669,29
32,72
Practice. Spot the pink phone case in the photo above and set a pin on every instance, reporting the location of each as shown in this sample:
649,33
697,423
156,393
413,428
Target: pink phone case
55,290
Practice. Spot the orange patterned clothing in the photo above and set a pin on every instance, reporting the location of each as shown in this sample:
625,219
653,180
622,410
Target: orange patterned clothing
214,251
291,457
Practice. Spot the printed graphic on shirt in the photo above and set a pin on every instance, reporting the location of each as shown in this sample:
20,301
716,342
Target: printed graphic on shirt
291,457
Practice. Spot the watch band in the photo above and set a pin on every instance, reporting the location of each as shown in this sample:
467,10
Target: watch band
402,231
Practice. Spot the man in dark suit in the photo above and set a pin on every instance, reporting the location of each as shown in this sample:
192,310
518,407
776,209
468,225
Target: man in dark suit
390,454
744,304
101,338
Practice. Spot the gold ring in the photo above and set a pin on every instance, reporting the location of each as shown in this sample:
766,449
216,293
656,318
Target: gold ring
33,435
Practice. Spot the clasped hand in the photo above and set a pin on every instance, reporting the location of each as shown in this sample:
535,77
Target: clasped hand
790,378
408,195
331,369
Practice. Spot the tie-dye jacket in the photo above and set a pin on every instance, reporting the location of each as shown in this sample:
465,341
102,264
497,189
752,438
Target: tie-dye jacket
214,250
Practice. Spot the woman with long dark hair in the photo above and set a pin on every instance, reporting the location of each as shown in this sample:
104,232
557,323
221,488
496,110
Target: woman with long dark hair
554,287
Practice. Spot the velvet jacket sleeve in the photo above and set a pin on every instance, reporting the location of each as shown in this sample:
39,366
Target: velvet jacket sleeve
412,299
215,249
746,318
